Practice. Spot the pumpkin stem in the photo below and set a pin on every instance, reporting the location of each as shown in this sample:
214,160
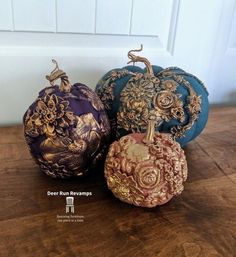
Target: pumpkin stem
65,85
135,58
149,136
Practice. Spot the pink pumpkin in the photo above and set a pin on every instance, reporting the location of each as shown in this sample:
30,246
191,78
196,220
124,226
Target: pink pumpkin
146,169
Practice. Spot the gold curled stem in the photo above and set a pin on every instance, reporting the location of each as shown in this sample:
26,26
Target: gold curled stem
149,136
65,85
135,58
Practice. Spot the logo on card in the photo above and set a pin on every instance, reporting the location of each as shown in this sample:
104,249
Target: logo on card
70,208
69,216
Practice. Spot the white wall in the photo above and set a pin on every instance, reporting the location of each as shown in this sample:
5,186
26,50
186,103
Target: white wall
90,37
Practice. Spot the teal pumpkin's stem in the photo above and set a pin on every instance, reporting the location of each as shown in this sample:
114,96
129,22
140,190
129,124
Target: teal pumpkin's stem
135,58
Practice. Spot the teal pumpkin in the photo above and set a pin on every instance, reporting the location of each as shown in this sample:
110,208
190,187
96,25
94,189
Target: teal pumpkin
131,95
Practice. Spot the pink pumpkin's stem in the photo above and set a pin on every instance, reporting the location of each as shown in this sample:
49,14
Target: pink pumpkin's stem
149,136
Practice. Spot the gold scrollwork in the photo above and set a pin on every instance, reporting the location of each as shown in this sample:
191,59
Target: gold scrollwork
107,85
193,104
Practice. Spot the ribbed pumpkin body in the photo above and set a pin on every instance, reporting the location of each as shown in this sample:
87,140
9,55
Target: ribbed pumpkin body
178,99
66,129
143,174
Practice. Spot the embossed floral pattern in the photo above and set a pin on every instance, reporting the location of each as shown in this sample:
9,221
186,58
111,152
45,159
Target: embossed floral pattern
124,187
67,153
51,116
135,99
169,105
165,99
106,86
146,175
194,104
169,85
151,181
145,93
63,143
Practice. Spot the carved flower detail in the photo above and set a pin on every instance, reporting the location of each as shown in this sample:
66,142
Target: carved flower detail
156,150
120,184
124,187
163,165
165,99
169,105
169,85
50,116
132,120
194,104
138,110
178,113
136,99
106,95
106,86
137,104
146,175
114,149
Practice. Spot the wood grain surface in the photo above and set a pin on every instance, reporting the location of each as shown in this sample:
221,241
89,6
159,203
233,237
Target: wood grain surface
199,223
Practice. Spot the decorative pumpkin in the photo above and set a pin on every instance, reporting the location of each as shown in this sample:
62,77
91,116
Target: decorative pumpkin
146,169
178,99
66,128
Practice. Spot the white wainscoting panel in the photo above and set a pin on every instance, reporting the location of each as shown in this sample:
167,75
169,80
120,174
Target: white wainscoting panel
5,15
77,16
34,15
113,17
152,18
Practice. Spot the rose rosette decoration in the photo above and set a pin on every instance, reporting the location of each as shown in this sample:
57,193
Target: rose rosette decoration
146,176
146,169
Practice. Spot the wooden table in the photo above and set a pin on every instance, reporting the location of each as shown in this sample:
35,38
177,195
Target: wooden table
199,223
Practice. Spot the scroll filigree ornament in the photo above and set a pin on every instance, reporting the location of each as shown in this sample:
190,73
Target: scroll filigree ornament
146,170
66,128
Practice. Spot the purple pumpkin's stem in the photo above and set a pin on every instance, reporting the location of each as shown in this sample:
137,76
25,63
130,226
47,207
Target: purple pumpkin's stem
65,85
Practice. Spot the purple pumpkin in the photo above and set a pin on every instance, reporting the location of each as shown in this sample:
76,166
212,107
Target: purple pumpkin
66,128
